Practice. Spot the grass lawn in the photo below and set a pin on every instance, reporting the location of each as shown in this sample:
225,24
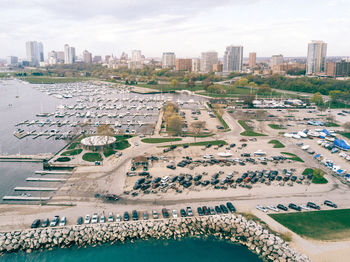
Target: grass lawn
72,152
159,140
63,159
121,145
248,130
347,135
92,157
320,225
53,80
274,126
168,88
108,152
318,175
73,145
203,143
276,144
122,137
222,121
293,157
331,124
199,135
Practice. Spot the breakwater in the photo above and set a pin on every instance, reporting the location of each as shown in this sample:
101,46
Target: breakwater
230,227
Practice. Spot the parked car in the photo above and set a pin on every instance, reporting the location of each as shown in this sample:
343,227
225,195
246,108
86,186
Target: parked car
165,213
261,208
273,208
155,214
94,219
304,207
54,221
45,223
183,212
126,216
313,205
200,211
63,221
135,215
80,220
87,219
35,224
282,207
294,206
330,203
103,218
189,211
145,215
174,213
218,210
118,218
231,207
110,217
224,209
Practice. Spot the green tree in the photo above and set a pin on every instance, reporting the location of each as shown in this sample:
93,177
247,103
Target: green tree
317,99
264,89
175,124
174,83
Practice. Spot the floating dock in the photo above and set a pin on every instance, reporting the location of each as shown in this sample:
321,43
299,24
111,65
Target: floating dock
24,198
35,188
43,172
38,179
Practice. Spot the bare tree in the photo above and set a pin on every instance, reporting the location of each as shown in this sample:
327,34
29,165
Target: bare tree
197,128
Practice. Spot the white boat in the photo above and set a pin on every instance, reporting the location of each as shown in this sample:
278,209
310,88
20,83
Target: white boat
224,154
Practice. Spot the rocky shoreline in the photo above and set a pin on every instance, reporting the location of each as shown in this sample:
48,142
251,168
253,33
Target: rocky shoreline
234,228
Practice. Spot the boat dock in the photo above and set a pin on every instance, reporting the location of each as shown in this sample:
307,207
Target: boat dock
25,158
43,172
38,179
26,198
35,188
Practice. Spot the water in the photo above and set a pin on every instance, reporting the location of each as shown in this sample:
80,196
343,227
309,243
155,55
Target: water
201,250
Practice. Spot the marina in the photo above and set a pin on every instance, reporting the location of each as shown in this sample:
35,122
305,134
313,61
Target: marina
35,188
25,198
35,179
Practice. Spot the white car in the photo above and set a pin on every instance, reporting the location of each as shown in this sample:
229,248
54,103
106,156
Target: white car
273,208
136,144
87,219
103,218
94,218
118,218
174,212
63,221
110,217
304,207
261,208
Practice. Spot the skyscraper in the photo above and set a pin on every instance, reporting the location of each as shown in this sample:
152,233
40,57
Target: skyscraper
208,59
87,56
168,60
136,60
276,60
183,64
69,54
316,57
233,59
35,52
196,63
52,58
252,59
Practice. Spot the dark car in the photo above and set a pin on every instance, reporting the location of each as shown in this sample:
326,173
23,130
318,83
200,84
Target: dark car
80,220
282,207
35,224
232,145
135,216
231,207
200,211
189,211
54,221
171,167
294,206
165,213
126,216
224,209
218,210
206,211
182,212
45,223
313,205
330,203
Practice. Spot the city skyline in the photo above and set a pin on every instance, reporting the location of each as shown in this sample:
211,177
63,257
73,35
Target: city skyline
202,25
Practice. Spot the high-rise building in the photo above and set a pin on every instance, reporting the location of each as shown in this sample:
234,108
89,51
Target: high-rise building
52,58
168,60
196,65
69,54
60,56
208,59
136,60
338,69
218,67
183,64
276,60
107,57
97,59
233,59
12,60
35,52
87,57
252,59
316,57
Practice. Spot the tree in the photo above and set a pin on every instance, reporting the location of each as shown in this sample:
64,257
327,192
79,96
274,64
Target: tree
175,124
197,128
248,100
216,89
190,84
264,89
174,83
347,126
243,82
317,99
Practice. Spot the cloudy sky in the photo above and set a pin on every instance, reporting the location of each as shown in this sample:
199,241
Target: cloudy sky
186,27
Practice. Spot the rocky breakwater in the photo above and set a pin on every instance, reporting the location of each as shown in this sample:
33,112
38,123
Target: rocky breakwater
234,228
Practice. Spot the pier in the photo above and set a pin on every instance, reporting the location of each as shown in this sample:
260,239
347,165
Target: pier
25,198
36,179
43,172
25,158
35,188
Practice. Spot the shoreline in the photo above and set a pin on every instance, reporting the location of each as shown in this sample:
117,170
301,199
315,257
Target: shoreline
235,229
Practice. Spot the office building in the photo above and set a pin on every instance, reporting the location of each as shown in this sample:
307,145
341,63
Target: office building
196,65
12,60
338,69
233,59
183,64
87,57
35,52
52,58
168,60
218,67
282,69
97,59
69,54
107,57
316,57
252,59
136,61
276,60
208,59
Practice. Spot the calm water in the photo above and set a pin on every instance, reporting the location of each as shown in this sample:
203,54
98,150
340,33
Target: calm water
146,251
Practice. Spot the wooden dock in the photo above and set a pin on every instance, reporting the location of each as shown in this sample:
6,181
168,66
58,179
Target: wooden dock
35,188
25,158
43,172
38,179
25,198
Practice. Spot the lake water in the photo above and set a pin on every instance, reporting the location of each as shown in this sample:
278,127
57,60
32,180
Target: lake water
194,250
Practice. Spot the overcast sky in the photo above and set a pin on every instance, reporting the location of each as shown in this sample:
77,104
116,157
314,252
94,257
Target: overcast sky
186,27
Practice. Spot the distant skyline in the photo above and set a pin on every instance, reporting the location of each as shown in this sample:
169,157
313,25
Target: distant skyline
187,28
